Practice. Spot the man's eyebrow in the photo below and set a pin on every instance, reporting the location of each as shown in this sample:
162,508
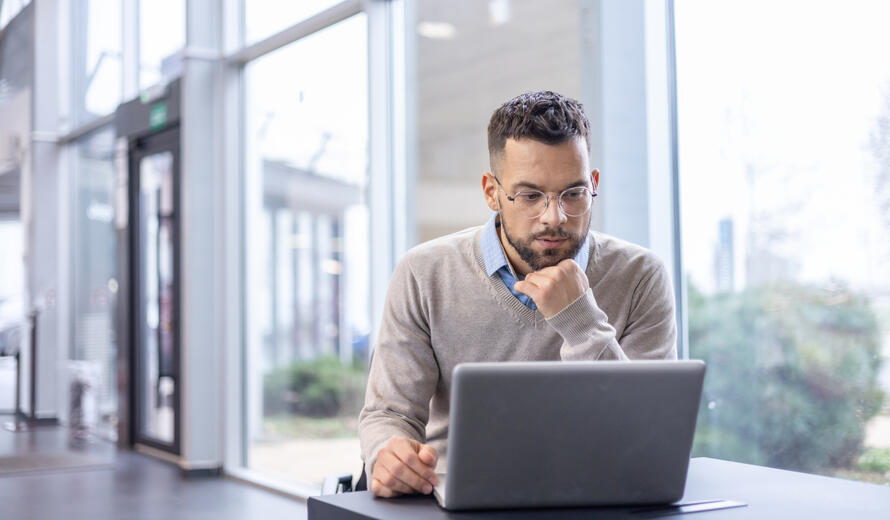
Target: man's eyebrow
526,184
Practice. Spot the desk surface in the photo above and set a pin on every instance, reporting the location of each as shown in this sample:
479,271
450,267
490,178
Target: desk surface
769,493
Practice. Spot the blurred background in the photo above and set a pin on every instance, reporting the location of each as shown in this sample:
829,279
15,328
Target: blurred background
201,202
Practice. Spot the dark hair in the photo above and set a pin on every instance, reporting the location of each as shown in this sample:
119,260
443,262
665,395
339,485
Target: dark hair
543,116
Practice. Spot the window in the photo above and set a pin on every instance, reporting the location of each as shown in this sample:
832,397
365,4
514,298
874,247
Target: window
785,184
94,274
472,56
161,35
12,315
307,254
96,59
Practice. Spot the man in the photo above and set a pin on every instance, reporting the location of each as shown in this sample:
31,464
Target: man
532,284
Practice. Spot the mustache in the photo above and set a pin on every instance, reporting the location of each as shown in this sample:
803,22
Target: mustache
561,233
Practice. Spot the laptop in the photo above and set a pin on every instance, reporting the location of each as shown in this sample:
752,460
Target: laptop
552,434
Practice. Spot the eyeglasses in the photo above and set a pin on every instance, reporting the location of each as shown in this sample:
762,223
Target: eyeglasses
573,202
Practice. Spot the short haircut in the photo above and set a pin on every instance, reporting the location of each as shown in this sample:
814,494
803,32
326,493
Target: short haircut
543,116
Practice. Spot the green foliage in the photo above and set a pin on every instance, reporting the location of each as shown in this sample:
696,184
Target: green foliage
322,387
792,375
875,459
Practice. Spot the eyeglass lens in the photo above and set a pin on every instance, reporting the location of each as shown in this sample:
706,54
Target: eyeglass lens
573,202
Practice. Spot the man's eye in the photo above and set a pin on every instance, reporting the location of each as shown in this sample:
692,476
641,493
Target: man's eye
576,194
529,197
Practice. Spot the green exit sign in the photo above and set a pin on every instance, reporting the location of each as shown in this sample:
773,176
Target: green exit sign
157,118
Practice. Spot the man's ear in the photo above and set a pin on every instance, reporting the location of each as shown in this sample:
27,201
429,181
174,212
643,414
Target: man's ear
595,177
490,190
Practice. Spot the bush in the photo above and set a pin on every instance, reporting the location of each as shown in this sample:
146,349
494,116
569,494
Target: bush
323,387
876,459
792,375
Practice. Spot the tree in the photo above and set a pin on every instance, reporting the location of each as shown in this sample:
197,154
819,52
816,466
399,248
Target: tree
792,375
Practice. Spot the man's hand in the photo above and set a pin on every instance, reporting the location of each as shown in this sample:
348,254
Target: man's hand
554,288
404,466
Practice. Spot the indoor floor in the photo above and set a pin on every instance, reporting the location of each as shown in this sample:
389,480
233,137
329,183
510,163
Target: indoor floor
104,483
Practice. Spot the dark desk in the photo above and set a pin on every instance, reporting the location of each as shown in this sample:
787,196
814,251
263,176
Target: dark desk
769,493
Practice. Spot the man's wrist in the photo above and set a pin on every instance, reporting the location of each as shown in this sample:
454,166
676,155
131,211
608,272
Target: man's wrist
579,319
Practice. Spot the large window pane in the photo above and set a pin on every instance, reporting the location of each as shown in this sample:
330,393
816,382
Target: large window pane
12,315
471,57
94,274
785,176
306,246
95,58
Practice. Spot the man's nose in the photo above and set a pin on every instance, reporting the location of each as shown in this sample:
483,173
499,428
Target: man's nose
553,215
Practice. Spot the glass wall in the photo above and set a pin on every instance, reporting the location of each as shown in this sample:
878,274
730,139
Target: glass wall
94,274
785,189
472,56
12,275
307,253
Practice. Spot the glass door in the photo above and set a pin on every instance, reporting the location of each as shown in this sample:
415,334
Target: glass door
154,202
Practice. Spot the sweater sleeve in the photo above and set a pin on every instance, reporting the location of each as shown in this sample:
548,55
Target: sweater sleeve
651,331
404,372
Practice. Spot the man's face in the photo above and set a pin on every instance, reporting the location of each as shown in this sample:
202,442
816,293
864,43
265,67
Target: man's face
535,243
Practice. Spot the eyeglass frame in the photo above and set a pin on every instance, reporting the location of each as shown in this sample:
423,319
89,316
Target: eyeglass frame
547,198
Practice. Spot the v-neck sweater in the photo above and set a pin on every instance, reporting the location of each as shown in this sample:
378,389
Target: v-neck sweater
442,309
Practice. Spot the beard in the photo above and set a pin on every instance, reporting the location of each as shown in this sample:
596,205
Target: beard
548,257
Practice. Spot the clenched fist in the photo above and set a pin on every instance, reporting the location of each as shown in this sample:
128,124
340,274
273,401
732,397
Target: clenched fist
554,288
404,466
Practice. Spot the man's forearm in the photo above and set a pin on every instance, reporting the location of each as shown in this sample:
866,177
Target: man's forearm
651,332
377,427
586,331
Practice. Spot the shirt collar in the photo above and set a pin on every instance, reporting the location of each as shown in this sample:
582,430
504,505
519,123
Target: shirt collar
493,251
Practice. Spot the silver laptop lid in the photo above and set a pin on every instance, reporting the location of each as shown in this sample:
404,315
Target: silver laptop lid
543,434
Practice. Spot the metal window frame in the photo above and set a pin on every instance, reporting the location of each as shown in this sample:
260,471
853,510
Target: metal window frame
679,276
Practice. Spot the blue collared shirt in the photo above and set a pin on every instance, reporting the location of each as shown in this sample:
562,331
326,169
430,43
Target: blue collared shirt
496,261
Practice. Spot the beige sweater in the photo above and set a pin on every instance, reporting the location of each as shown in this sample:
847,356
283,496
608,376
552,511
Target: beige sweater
442,309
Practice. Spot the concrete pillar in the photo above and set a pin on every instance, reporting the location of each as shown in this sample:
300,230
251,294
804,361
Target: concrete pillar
45,212
200,184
